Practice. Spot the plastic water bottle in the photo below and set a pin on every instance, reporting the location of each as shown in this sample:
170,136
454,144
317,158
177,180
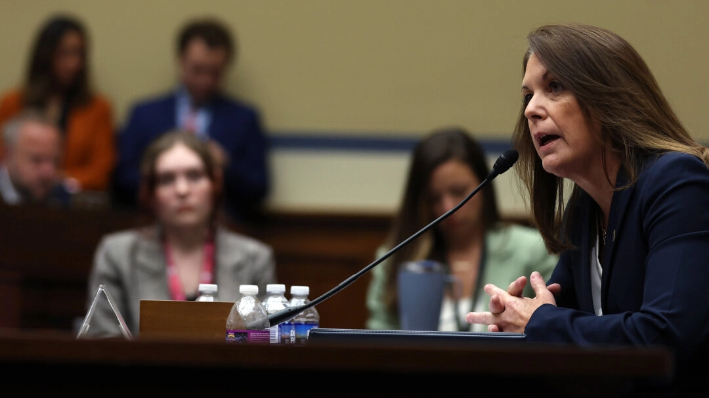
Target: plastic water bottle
306,320
247,321
276,301
207,292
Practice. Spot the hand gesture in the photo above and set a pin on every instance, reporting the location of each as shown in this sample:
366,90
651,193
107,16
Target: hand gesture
509,311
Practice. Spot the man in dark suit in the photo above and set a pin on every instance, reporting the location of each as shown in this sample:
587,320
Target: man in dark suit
232,128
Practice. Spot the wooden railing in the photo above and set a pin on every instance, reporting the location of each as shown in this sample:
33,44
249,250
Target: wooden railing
46,255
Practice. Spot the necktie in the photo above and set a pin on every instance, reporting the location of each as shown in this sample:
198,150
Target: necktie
191,120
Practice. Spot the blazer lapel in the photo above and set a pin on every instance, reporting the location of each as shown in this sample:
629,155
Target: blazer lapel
150,266
228,260
587,241
615,224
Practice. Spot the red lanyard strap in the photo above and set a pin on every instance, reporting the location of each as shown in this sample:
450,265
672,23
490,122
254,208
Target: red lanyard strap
205,276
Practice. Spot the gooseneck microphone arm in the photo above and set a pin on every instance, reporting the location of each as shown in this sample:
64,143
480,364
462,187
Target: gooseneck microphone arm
502,164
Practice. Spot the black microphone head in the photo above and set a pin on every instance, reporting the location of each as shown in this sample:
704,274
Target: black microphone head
504,162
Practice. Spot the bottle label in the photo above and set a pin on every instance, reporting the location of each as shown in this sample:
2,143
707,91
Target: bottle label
291,340
287,331
275,335
281,334
247,336
302,331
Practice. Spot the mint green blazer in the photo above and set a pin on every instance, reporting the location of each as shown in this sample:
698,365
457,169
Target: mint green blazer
511,251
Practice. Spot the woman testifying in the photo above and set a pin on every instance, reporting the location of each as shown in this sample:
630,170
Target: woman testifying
633,237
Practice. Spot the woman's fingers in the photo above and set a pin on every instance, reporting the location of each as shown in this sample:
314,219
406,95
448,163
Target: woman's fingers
517,286
554,288
492,290
496,306
484,318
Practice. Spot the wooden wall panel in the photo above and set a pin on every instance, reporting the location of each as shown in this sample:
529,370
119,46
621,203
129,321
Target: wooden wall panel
46,256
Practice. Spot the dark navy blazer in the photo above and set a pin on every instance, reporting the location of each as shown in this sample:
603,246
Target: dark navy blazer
655,284
236,126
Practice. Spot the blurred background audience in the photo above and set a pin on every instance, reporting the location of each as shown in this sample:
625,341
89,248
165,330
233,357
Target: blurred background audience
338,128
58,84
232,129
184,245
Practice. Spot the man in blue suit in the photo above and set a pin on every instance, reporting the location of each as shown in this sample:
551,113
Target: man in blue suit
232,128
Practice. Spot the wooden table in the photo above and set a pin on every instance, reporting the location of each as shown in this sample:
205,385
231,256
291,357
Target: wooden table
50,363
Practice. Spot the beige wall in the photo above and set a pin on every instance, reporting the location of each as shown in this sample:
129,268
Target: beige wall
400,66
368,66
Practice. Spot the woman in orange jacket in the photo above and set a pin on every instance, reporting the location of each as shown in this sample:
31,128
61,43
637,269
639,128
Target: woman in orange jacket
57,83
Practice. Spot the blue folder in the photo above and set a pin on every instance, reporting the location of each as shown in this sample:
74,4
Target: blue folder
410,337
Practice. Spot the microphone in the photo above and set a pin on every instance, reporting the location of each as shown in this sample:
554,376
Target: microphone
502,164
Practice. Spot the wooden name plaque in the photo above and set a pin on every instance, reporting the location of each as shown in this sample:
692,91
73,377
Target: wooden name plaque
161,319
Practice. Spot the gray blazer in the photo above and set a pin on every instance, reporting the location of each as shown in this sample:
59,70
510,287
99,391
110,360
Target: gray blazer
131,265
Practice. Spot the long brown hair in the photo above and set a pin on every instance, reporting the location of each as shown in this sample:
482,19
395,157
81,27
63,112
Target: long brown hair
440,146
148,175
614,87
39,81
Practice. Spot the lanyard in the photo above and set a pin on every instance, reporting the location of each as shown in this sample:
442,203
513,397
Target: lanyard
176,291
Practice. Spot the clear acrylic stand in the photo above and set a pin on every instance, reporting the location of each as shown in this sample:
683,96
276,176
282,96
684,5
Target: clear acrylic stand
87,320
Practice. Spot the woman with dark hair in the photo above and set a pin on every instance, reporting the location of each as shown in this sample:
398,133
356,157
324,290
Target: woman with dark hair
185,244
472,243
633,236
57,84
